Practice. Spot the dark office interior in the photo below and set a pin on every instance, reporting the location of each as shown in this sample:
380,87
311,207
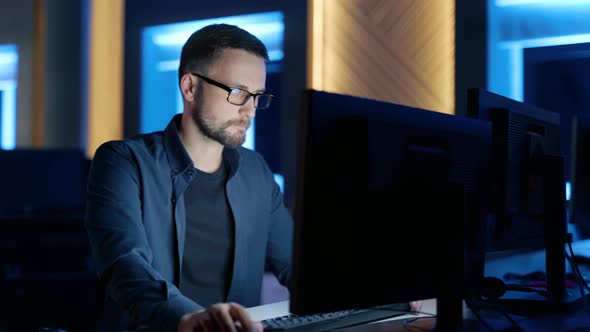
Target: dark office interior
77,73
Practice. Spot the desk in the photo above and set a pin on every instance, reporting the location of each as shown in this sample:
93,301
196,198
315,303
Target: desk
578,321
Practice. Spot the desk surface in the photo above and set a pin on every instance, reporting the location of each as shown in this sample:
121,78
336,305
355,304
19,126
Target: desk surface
578,321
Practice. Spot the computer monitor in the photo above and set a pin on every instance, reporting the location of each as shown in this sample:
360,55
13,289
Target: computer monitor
381,202
579,209
527,202
522,135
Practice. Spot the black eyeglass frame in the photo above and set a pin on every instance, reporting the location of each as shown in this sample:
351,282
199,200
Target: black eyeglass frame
229,90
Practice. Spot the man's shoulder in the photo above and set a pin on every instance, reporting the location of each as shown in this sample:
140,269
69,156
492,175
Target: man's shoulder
252,161
250,156
142,144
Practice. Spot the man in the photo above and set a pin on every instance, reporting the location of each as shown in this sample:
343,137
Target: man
183,222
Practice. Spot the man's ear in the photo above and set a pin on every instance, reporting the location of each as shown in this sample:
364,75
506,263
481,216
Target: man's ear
188,87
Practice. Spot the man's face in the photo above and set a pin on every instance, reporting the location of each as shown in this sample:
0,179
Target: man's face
213,114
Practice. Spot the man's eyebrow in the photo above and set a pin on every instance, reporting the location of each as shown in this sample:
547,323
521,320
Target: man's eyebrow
243,87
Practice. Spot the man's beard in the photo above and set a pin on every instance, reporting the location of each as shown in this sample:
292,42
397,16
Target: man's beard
219,133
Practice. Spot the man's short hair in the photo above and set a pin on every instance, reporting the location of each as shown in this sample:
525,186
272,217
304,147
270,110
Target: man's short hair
204,46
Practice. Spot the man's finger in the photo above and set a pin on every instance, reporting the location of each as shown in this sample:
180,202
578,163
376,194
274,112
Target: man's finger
240,314
220,312
416,306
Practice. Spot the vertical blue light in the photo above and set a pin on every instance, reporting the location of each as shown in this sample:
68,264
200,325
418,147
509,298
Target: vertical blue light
280,180
8,86
249,142
517,74
8,118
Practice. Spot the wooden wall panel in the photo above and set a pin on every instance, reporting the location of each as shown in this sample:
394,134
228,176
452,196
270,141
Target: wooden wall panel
401,51
105,95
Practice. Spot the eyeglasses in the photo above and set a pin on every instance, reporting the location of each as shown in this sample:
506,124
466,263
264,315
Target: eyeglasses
239,97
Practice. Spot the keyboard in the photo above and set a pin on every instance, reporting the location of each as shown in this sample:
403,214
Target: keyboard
332,320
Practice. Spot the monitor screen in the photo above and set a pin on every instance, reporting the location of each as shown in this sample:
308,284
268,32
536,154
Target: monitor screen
579,209
373,177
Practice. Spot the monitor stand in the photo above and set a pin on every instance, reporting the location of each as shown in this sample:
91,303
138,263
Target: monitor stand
449,313
561,300
449,302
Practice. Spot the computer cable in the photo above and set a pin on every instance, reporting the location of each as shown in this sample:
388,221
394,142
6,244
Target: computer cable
526,289
581,281
493,288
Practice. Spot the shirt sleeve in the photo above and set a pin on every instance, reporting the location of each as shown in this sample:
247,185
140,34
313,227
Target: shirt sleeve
119,246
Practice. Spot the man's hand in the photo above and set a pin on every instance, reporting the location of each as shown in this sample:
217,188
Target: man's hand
224,317
416,306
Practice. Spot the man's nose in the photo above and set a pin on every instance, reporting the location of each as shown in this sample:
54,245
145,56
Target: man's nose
249,109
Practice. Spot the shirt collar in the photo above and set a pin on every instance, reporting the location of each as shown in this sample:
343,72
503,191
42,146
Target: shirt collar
178,158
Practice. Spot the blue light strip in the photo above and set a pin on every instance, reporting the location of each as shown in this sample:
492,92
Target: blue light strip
280,180
560,3
546,41
179,37
8,116
172,65
8,58
517,74
516,62
249,142
8,86
268,27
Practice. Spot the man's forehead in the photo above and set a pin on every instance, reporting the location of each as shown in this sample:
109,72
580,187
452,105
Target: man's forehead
240,69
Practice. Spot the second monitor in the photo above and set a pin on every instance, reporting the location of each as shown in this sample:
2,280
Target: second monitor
527,202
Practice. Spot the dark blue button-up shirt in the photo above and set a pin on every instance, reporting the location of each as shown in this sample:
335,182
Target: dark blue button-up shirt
136,225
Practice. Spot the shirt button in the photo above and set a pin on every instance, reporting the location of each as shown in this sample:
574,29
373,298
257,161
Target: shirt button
173,200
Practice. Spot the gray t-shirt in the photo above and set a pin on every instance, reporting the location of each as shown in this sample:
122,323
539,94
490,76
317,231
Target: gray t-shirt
209,245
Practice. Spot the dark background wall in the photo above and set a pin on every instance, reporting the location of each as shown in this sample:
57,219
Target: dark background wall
64,82
470,50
